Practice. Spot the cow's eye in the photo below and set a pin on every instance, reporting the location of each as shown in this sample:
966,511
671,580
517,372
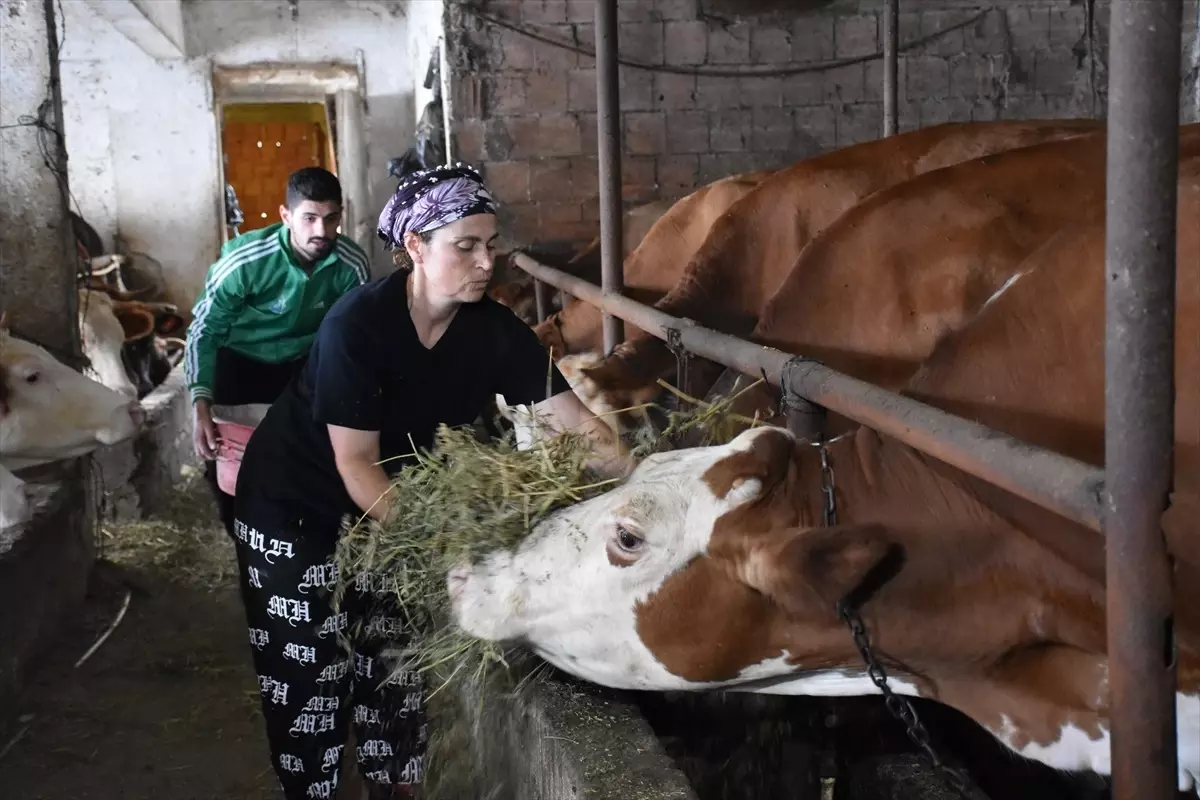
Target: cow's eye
31,377
628,540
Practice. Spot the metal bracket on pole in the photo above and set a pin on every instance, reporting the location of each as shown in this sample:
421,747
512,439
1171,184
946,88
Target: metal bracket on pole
806,419
682,359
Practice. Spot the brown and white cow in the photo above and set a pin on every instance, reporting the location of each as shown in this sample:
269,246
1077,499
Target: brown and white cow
103,336
708,569
711,568
48,412
873,294
753,248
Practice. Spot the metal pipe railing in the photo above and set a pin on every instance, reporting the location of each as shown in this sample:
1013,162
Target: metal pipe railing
891,67
608,121
1142,176
1063,485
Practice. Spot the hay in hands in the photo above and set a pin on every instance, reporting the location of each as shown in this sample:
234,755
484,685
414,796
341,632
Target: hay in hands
458,504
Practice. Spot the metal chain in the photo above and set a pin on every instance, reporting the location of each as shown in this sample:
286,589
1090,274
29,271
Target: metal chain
828,487
682,359
898,706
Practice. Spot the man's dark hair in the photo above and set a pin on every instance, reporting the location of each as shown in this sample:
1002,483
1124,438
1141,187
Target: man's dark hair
313,183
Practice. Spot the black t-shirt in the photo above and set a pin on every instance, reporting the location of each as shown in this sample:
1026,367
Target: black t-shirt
368,370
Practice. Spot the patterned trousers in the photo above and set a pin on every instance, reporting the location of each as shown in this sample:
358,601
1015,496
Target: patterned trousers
311,687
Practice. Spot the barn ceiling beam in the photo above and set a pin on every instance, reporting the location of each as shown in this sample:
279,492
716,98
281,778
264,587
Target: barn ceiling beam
155,26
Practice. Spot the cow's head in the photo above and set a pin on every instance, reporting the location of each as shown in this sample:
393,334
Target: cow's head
49,411
518,296
575,328
683,577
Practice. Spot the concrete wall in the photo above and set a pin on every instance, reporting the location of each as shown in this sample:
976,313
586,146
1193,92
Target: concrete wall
142,134
135,477
43,579
526,109
37,266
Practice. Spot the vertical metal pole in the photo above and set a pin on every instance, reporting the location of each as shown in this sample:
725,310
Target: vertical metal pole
609,123
1143,157
891,68
541,297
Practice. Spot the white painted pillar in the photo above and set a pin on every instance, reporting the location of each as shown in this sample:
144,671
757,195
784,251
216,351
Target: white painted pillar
37,244
357,222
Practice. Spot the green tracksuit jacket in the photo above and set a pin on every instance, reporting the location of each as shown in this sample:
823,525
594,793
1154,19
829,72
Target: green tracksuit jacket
258,302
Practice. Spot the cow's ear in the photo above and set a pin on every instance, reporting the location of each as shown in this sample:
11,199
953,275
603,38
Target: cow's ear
810,571
762,456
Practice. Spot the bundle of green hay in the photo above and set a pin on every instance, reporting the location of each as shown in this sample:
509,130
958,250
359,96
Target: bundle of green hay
456,505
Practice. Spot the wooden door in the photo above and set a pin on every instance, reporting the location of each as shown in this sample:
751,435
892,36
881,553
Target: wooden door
265,143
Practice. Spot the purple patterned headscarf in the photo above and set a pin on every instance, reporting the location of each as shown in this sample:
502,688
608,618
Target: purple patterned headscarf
432,198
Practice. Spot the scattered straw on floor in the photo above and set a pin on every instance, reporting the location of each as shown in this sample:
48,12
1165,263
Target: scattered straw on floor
184,540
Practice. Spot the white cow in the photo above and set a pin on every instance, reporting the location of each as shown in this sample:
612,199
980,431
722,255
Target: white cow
50,412
103,339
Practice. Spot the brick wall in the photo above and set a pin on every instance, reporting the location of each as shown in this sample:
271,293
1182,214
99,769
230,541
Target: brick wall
526,110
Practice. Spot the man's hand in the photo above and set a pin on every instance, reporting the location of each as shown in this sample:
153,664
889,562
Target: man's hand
204,432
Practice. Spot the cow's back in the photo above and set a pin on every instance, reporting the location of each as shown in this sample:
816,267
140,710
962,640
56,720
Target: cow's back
751,249
1032,362
1032,365
874,294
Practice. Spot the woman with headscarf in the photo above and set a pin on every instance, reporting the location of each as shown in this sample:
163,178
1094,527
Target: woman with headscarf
392,360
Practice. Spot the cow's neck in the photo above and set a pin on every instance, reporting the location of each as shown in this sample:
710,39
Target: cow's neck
946,531
980,617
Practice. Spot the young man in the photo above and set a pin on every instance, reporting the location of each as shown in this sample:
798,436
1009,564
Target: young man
262,303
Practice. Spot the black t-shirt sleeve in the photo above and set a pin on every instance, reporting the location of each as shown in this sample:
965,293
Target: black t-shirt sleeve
347,381
527,364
